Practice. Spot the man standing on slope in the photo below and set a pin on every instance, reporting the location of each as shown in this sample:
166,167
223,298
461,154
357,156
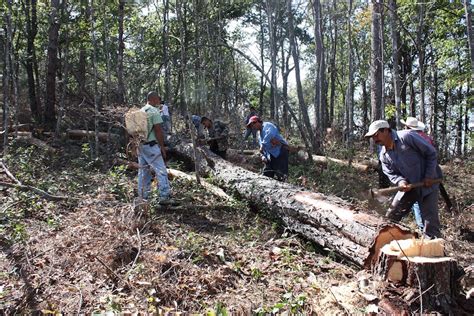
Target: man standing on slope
152,153
407,158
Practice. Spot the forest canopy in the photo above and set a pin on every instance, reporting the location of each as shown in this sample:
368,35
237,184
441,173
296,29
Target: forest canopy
306,65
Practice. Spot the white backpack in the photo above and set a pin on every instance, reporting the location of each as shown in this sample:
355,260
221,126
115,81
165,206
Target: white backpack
136,123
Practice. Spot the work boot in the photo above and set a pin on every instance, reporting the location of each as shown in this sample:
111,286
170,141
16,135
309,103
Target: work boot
166,200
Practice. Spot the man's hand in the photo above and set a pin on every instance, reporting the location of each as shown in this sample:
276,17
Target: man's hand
428,182
264,159
404,186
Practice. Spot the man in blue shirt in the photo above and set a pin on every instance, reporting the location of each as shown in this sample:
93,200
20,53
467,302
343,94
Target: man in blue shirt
407,158
273,147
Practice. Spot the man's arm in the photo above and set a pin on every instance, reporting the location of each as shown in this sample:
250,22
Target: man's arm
426,150
392,173
160,138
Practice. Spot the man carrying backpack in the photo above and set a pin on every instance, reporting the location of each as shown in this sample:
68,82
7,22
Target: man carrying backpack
152,153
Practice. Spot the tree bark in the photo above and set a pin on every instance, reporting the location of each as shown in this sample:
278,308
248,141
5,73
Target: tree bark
270,10
7,79
433,276
470,33
51,69
327,220
94,82
395,33
29,8
421,58
376,90
350,87
333,65
299,86
121,48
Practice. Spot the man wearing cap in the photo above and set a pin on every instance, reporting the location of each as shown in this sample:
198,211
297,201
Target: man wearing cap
413,124
248,131
217,136
406,159
273,147
152,153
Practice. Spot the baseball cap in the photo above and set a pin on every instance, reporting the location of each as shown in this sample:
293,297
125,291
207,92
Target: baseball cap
253,119
375,126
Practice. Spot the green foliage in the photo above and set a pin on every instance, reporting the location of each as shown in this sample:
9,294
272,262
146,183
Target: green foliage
219,310
289,303
119,183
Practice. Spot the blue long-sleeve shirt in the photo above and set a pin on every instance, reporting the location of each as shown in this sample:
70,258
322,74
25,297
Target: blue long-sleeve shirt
412,159
270,131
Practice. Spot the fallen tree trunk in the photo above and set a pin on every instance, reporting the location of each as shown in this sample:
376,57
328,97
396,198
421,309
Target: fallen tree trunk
327,220
178,174
323,160
103,137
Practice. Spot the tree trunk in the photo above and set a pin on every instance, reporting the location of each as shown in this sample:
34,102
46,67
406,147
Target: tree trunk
7,78
270,9
105,41
327,220
421,58
94,82
285,70
333,65
470,33
350,88
365,106
51,69
421,265
121,48
434,98
299,86
320,92
396,59
29,8
262,62
376,90
166,63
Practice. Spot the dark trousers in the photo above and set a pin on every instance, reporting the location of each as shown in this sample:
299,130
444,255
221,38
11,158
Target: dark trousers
403,201
278,166
214,147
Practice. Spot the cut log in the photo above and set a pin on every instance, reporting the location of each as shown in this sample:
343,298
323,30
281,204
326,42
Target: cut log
179,174
420,264
28,138
79,134
327,220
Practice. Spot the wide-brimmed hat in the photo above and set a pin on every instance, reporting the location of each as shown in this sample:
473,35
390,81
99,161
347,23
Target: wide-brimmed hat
413,123
253,119
375,126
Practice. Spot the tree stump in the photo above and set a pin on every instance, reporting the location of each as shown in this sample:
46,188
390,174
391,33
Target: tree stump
421,265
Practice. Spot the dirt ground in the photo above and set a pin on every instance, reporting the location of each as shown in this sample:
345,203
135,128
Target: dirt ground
99,252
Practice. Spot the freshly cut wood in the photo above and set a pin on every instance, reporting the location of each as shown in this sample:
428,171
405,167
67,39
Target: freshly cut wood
103,137
418,247
421,264
323,160
327,220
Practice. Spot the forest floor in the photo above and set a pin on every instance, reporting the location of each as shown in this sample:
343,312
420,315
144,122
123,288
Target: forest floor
96,252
